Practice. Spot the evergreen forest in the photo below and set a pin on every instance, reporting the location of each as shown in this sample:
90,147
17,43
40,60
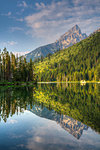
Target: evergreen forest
14,69
78,62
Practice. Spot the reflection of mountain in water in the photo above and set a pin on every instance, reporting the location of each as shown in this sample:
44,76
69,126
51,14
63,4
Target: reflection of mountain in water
74,127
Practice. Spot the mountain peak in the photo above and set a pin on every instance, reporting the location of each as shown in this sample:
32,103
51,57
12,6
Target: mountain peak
71,37
75,28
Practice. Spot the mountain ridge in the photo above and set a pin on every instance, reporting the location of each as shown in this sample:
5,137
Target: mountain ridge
73,36
78,62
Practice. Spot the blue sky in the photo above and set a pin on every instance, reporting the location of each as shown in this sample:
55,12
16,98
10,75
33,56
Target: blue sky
28,24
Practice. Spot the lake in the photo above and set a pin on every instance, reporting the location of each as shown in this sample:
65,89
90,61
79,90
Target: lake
50,117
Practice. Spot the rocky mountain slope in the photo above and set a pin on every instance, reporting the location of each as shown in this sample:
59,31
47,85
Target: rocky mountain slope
71,37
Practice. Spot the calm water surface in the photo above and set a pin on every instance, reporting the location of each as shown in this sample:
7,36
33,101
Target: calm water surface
50,117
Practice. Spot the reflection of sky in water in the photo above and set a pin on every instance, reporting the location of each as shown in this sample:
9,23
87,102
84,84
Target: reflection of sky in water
30,132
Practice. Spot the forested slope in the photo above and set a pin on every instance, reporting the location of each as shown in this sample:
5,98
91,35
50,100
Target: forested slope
78,62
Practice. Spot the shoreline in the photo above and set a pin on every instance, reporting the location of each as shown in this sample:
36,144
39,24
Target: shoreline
69,82
17,83
42,82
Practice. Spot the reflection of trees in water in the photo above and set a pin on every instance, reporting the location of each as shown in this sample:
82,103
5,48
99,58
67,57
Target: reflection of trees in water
79,102
14,100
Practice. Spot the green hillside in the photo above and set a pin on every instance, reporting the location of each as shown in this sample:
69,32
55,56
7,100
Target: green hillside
78,62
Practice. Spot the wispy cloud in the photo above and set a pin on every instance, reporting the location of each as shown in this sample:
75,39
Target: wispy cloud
8,43
12,121
7,14
40,5
21,53
13,29
20,19
11,43
23,4
54,19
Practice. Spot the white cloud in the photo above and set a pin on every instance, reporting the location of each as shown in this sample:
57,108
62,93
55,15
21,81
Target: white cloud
56,18
12,121
13,29
7,14
23,4
12,43
19,19
21,53
8,43
40,6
